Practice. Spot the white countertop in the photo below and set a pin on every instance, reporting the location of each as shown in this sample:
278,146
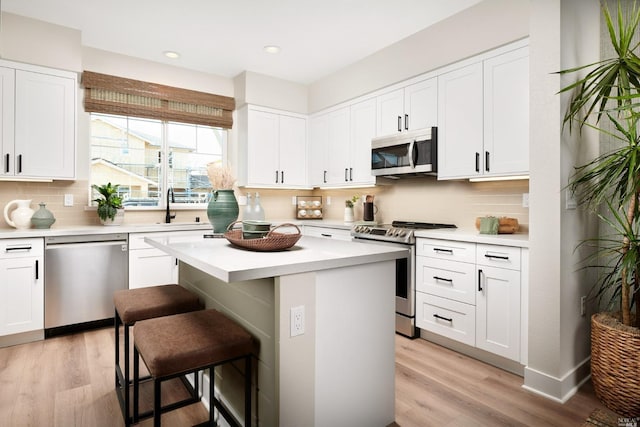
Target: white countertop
228,263
520,240
12,233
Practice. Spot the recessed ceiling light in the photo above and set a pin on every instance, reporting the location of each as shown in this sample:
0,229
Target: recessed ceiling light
272,49
171,54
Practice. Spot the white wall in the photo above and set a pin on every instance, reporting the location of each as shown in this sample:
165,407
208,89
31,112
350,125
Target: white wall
259,89
489,24
562,35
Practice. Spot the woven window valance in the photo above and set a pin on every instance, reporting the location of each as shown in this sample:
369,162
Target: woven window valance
116,95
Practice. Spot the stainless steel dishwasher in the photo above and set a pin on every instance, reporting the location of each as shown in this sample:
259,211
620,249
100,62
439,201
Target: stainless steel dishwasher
80,275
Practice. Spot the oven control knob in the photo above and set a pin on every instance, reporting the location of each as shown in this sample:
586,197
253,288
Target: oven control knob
402,233
357,229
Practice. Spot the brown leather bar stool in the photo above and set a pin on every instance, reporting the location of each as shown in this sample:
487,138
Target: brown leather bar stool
186,343
134,305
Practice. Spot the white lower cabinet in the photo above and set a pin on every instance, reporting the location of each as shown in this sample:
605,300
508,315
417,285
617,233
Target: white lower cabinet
21,285
327,232
471,293
149,266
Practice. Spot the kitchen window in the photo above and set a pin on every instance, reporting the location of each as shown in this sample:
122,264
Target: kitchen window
148,157
151,138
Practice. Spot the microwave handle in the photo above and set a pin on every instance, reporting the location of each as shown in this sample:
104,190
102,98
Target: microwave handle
414,154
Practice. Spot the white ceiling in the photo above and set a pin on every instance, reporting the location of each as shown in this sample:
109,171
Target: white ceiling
226,37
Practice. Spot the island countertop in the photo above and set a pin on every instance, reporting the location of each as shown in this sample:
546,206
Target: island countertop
220,259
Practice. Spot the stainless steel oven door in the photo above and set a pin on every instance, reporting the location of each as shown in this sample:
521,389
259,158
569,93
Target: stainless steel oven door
405,288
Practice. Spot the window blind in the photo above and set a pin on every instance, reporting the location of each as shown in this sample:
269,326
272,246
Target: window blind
117,95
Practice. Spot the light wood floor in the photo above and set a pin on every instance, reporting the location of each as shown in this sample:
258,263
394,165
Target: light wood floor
69,381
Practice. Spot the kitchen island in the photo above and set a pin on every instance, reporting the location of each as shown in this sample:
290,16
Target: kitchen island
340,370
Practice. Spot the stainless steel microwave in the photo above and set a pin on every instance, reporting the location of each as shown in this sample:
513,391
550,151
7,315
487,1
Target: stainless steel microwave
408,153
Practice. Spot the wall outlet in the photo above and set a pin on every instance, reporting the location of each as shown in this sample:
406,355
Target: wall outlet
297,321
68,199
583,301
328,200
525,200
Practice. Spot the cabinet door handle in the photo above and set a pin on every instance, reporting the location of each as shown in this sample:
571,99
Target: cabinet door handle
486,161
276,177
479,280
477,162
176,261
350,174
325,177
19,163
399,123
37,270
496,256
443,279
448,319
346,171
447,251
406,122
6,163
281,177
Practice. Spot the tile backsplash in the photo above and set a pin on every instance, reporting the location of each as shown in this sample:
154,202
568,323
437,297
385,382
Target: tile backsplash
426,199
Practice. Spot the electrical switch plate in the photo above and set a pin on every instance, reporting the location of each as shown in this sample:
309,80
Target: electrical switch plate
297,320
68,199
328,200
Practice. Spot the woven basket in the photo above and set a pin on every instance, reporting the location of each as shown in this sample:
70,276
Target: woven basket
615,364
270,243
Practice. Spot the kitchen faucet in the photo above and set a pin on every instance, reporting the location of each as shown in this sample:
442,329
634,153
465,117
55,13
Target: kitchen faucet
170,197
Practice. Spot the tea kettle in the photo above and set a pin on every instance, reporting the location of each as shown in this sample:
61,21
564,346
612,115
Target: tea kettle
20,218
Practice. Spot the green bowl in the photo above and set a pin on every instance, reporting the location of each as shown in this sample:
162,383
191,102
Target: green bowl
254,225
254,234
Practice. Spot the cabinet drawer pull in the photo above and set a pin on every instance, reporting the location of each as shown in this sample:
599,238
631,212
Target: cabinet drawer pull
443,279
399,123
18,248
496,256
448,319
479,280
325,235
440,250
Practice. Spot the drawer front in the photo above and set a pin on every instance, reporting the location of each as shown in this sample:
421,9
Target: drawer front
446,249
447,279
20,248
452,319
329,233
498,256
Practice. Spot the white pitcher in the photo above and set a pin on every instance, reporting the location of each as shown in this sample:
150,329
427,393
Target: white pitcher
21,217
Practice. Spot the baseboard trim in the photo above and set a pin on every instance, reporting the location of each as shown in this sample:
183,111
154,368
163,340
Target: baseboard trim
557,389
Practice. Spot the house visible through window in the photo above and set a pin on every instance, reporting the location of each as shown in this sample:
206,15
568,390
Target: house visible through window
148,157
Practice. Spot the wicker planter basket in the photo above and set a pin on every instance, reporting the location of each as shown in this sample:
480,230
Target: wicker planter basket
615,364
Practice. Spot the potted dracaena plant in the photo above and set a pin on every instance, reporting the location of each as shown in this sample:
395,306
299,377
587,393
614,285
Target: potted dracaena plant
607,99
110,209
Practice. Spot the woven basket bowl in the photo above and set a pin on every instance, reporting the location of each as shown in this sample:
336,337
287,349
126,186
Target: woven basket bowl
272,242
615,364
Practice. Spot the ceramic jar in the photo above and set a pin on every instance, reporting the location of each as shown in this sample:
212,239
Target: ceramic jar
42,218
222,210
21,216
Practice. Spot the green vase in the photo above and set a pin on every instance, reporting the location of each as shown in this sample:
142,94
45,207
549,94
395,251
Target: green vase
222,210
42,218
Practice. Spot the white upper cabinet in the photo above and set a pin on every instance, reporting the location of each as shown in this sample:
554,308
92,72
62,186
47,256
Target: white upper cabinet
460,122
409,108
341,145
38,122
483,112
273,147
506,113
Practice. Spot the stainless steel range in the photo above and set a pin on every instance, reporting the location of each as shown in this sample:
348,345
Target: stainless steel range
399,233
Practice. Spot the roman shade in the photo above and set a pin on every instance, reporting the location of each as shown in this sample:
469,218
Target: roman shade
117,95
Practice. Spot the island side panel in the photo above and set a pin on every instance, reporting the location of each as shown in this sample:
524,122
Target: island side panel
250,303
296,355
355,350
